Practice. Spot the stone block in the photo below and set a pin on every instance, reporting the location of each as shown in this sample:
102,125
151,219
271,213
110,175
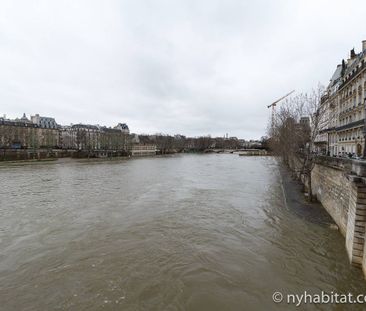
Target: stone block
358,246
358,239
360,206
357,253
360,229
359,235
361,189
361,201
360,218
361,212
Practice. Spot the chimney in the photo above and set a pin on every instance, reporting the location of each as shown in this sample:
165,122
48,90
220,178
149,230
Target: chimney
353,54
363,45
343,67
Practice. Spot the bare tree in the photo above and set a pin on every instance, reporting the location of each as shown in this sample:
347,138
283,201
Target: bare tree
295,129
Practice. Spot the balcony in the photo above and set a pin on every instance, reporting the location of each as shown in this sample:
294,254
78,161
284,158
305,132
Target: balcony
350,125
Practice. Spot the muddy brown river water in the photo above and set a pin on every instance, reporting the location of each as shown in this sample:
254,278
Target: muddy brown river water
187,232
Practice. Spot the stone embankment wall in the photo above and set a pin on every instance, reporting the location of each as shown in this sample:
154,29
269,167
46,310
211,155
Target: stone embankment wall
40,154
32,154
331,187
340,185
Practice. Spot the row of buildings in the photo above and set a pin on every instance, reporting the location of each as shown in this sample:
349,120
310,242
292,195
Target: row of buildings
44,133
342,130
43,136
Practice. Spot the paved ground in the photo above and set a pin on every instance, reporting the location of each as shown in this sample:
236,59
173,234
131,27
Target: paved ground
296,202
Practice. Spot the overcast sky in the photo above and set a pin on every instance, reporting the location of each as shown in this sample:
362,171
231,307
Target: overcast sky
194,67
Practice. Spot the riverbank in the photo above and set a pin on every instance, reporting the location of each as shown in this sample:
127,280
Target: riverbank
29,161
32,156
69,160
295,199
340,186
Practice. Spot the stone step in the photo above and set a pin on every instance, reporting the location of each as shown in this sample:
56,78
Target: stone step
361,189
359,235
360,212
360,229
357,253
360,218
358,246
357,262
359,240
360,224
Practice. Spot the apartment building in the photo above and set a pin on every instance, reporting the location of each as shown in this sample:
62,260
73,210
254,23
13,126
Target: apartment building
342,131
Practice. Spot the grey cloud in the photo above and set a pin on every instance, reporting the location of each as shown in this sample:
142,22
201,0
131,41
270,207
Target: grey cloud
172,66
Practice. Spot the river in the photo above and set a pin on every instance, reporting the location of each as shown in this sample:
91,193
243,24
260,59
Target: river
186,232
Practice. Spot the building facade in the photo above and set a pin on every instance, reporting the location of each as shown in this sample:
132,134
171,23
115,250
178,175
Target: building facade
342,131
143,149
17,134
94,137
45,133
80,137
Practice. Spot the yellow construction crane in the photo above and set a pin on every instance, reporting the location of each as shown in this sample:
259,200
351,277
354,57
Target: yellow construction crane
273,105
